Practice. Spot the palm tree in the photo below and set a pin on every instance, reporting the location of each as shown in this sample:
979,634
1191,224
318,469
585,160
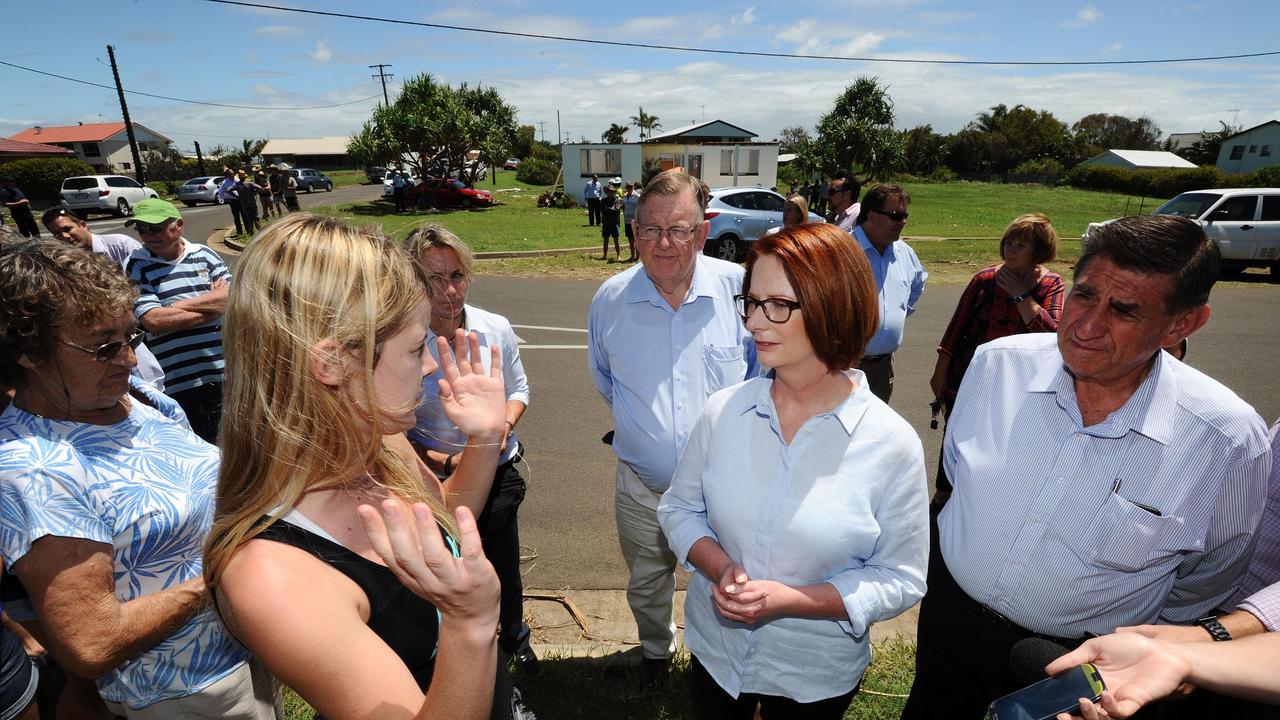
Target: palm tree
249,149
615,134
646,122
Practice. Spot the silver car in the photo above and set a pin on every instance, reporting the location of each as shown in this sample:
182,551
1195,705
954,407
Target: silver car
309,180
200,190
742,215
115,194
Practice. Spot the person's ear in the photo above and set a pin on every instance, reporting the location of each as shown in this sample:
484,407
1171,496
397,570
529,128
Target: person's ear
1185,324
326,363
26,362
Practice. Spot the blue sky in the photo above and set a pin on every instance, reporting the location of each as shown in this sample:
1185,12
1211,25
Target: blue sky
270,59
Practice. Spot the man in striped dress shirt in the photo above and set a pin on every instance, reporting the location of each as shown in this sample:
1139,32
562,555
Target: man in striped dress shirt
182,290
1099,482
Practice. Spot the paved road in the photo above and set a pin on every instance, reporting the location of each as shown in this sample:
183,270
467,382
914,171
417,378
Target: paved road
567,518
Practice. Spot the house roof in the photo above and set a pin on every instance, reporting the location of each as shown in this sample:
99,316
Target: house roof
87,132
1181,140
334,145
1148,158
709,128
1255,127
18,147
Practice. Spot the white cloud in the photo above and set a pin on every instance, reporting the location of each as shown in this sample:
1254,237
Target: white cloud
811,37
322,52
747,17
1113,48
1088,15
279,31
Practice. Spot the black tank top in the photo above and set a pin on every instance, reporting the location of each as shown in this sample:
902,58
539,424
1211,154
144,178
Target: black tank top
408,624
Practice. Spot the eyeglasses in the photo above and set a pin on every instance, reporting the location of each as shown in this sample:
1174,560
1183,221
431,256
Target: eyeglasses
677,233
107,352
893,215
836,191
150,229
776,310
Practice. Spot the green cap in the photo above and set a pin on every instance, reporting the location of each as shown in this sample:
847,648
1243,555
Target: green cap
154,211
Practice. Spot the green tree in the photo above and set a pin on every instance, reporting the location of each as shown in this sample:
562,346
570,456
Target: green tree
857,135
924,150
1205,150
432,126
1099,132
525,140
1003,138
646,122
249,151
615,135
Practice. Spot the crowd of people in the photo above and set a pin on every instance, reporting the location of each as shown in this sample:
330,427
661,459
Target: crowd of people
274,188
181,451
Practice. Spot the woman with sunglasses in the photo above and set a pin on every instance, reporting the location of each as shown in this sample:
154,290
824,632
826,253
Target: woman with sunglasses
107,497
800,497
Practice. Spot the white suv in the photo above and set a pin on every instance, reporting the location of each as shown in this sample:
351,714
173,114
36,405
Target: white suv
115,194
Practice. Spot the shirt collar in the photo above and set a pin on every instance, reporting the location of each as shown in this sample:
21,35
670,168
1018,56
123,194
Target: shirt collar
1149,411
641,289
865,241
849,412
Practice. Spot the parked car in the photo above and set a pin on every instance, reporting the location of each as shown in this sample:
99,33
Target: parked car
309,179
115,194
511,164
447,192
742,215
200,190
1245,222
411,180
375,173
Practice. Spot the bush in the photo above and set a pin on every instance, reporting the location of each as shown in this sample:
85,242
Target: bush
557,199
1266,177
1163,183
41,179
161,187
535,171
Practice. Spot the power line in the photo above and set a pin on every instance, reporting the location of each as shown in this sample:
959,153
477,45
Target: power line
749,53
181,100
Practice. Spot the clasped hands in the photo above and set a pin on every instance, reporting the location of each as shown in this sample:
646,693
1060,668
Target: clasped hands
739,598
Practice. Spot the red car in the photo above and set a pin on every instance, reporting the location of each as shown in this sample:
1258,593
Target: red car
448,192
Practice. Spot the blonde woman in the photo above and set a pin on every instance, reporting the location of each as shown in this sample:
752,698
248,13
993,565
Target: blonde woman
395,619
794,212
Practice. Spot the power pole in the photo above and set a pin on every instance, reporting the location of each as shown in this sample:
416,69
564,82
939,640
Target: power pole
543,124
199,157
128,125
382,75
558,133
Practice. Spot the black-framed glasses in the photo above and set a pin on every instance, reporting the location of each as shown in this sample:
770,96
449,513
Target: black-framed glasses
677,233
776,310
107,352
150,228
836,191
893,215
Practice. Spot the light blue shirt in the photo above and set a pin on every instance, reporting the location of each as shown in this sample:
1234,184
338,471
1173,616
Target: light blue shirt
1064,529
144,487
900,281
656,366
434,430
592,190
845,503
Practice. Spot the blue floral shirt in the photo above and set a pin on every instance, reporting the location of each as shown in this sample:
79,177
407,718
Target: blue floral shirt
145,486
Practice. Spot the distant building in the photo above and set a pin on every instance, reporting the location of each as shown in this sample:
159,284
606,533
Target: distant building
1251,149
18,150
1139,159
1179,141
105,146
720,154
325,153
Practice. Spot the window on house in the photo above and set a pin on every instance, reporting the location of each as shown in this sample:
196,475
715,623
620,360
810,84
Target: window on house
1237,152
1266,151
1253,149
90,149
126,166
600,161
748,161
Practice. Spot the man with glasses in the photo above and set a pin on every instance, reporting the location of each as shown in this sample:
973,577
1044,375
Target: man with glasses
69,227
663,336
899,278
842,194
182,290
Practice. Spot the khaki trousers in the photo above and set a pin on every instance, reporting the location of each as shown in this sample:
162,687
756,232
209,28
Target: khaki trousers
245,694
651,587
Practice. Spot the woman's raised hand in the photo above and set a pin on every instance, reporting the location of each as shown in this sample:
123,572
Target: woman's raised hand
409,541
474,402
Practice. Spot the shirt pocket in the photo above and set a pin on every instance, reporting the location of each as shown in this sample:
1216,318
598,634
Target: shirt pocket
723,366
1129,538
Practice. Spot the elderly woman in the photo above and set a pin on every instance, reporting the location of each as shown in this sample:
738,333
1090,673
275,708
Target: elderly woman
800,496
448,266
327,326
794,212
107,496
1017,295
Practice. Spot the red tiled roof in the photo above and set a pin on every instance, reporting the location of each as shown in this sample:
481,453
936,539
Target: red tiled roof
17,147
89,132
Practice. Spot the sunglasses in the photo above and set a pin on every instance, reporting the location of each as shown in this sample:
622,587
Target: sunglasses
893,215
149,228
107,352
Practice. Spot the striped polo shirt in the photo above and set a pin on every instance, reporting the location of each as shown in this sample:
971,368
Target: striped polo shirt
190,357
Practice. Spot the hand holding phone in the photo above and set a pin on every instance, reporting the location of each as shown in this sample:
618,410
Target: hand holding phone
1045,699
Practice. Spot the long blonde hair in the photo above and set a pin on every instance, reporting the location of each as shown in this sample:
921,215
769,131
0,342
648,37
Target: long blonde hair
306,279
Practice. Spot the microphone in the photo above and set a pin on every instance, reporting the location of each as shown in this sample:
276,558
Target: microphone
1028,657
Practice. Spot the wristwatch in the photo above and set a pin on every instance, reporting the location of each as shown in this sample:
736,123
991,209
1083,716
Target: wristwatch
1214,628
1019,299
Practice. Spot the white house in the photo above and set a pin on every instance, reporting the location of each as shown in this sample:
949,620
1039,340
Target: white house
1251,149
323,152
105,146
720,154
1139,159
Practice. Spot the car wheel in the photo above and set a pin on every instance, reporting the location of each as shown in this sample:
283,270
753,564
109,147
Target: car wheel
309,188
328,187
466,203
189,203
122,208
724,247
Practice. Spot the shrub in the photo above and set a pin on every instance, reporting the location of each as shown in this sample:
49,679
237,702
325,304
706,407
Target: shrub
1164,182
557,199
41,178
535,171
1266,177
162,187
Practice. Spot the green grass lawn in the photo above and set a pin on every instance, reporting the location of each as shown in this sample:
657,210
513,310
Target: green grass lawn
962,209
589,688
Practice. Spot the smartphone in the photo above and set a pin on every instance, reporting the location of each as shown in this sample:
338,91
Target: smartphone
1045,699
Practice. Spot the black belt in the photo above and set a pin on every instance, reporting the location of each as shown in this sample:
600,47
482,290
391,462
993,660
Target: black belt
1005,623
876,358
